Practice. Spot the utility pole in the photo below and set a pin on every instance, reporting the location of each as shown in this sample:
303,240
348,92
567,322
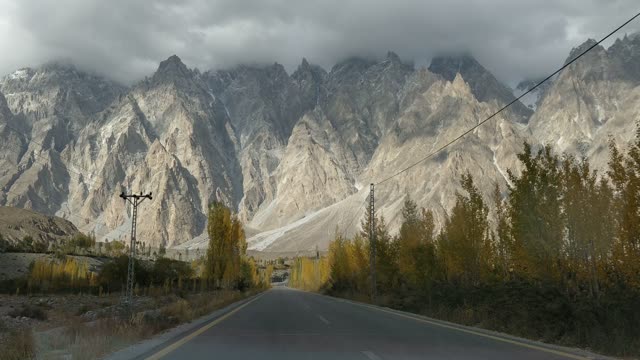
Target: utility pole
372,243
135,200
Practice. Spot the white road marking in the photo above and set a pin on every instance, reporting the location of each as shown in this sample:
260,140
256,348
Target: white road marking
371,355
323,319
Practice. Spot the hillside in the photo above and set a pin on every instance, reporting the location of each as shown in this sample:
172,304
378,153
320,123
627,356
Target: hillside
16,224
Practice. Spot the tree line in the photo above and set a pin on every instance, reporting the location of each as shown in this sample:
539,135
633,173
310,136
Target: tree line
555,255
225,266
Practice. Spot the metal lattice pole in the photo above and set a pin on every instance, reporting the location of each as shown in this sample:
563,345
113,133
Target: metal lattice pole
135,200
372,243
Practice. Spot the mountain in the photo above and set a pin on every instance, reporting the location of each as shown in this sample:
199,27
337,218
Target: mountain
483,84
535,97
292,154
19,223
594,99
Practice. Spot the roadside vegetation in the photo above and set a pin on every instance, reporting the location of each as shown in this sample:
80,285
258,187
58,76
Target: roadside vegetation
168,292
557,259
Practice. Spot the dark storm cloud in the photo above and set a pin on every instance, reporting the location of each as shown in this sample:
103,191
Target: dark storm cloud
126,39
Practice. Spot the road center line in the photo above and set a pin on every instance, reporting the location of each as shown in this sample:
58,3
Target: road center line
323,319
371,355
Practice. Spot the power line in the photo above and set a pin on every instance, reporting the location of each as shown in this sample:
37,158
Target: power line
468,131
510,103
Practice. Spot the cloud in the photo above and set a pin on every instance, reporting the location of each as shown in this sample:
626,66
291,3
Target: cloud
126,39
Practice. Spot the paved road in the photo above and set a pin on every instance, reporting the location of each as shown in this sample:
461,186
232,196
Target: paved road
289,324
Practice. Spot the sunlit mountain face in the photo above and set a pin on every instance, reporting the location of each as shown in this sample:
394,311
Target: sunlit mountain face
291,153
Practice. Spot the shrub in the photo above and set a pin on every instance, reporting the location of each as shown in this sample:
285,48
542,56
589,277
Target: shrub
166,269
29,311
114,273
19,345
3,244
48,274
82,241
114,248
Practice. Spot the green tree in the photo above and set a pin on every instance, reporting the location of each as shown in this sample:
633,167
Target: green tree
464,243
386,257
416,250
536,216
624,173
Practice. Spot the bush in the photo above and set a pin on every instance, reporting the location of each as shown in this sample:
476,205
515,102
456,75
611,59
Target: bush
114,273
82,241
3,244
115,248
166,269
60,274
29,311
19,345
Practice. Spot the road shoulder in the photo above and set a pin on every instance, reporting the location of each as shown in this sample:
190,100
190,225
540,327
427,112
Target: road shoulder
148,347
568,352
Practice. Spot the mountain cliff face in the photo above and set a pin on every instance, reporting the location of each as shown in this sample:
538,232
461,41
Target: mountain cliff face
484,86
594,99
292,154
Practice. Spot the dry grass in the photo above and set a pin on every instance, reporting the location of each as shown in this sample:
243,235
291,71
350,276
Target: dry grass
92,340
18,345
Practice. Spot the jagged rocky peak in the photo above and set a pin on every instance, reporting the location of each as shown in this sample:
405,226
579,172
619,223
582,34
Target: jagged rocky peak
172,70
309,80
625,53
270,144
582,47
393,61
58,89
449,66
484,85
393,56
306,71
173,64
351,65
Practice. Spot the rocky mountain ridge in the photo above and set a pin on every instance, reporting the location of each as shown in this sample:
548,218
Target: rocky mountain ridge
292,154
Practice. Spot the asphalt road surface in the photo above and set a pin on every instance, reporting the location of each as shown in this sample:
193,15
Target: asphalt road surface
290,324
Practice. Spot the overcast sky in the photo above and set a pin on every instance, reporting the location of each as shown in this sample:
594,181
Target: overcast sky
126,39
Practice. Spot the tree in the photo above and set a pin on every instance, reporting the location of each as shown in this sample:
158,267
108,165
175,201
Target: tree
464,243
227,246
536,216
341,268
502,234
624,173
162,251
386,258
416,250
